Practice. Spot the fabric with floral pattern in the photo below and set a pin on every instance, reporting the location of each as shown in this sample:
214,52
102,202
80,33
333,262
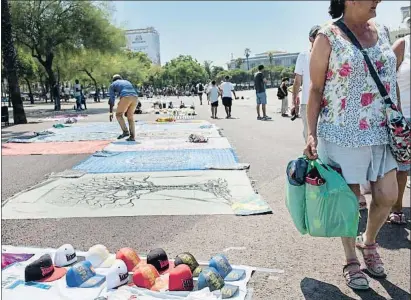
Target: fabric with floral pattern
353,113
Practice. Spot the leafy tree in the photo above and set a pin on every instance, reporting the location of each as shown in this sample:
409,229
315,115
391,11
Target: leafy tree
239,62
10,64
27,70
184,70
46,27
271,60
215,70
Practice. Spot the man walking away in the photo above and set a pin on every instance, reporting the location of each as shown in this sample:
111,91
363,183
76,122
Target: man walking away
282,95
302,76
77,94
226,89
259,84
83,98
128,103
66,93
200,91
213,93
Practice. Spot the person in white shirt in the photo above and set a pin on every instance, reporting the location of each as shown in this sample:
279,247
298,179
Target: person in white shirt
402,50
302,76
77,94
66,93
226,89
213,93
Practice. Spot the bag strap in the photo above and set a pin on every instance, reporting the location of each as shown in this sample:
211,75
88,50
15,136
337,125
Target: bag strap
371,68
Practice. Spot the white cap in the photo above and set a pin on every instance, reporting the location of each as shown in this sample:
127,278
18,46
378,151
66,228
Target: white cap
65,256
100,257
117,274
116,76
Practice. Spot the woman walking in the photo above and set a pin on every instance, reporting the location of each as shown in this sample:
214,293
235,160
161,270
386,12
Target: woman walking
402,50
347,120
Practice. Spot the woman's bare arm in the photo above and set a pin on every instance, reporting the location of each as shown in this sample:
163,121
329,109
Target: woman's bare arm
320,55
399,48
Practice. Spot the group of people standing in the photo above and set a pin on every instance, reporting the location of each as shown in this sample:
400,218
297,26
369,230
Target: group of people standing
345,118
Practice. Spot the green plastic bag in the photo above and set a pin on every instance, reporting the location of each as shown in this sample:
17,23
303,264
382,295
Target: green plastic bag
331,208
295,201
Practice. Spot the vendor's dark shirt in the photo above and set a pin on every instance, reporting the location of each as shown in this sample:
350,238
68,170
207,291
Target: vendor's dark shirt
259,82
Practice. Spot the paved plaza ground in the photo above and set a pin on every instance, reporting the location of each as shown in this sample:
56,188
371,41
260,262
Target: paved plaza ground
312,266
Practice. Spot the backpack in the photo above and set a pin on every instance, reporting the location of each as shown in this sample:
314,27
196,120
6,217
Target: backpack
201,87
280,93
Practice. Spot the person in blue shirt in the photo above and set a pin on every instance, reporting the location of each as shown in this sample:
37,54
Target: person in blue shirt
128,103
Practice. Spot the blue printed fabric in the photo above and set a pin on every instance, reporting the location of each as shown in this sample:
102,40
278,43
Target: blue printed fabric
161,160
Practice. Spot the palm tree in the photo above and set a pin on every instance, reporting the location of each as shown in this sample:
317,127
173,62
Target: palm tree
207,67
271,59
10,65
247,52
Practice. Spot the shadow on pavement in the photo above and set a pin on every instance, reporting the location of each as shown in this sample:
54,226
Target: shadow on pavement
394,291
6,135
317,290
393,237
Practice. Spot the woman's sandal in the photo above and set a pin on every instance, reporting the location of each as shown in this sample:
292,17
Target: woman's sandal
397,218
354,277
372,259
362,202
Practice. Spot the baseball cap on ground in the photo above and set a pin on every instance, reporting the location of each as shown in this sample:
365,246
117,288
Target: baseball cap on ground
223,267
129,256
209,277
82,275
159,259
65,256
43,270
180,279
147,276
100,257
188,259
117,275
314,31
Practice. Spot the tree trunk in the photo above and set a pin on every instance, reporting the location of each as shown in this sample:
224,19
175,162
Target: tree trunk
54,90
96,96
9,61
30,92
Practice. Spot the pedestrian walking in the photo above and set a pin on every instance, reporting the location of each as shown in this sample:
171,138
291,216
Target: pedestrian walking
77,94
302,77
83,98
282,95
127,105
213,93
259,84
347,118
226,89
66,93
402,50
200,91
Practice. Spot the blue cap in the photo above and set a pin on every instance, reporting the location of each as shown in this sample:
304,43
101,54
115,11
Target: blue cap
209,277
82,275
221,264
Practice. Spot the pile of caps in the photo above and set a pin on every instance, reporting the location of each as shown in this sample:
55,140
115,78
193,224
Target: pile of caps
156,273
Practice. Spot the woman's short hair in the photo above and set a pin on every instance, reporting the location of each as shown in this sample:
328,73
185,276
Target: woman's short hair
336,9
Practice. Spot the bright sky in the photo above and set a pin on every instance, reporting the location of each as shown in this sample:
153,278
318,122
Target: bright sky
212,30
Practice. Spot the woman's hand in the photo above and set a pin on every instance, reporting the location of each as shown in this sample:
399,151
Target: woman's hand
311,148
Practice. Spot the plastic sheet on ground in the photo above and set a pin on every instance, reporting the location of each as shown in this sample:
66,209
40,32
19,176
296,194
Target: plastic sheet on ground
160,160
167,144
14,287
53,148
133,194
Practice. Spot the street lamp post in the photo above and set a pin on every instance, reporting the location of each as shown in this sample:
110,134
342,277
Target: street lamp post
247,52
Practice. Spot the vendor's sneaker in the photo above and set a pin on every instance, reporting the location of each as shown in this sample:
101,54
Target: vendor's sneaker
123,135
259,118
266,118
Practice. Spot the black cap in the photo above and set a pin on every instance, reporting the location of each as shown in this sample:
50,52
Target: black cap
188,259
314,31
159,259
43,269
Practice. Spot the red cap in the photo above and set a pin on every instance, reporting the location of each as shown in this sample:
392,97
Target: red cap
129,256
181,279
146,276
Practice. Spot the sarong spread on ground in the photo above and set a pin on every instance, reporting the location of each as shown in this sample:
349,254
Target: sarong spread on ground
160,160
53,148
134,194
15,288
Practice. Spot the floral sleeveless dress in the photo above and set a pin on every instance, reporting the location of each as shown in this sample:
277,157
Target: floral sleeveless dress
352,109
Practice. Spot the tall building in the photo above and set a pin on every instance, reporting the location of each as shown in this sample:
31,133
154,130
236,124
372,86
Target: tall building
404,28
278,59
146,40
